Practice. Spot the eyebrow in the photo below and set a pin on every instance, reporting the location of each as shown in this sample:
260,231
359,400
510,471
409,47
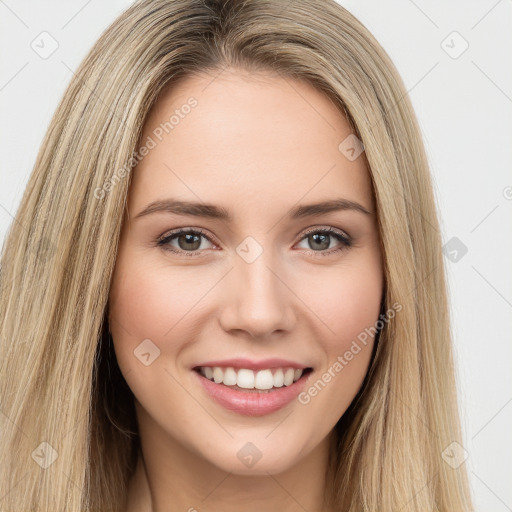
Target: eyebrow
217,212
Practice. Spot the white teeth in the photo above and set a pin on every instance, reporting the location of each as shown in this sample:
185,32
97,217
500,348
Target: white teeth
248,379
245,379
218,375
288,376
230,378
279,378
264,380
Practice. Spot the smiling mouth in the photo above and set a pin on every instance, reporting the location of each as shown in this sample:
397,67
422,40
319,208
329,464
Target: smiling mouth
249,381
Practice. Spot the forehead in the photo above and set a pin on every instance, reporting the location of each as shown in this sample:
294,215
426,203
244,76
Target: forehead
240,137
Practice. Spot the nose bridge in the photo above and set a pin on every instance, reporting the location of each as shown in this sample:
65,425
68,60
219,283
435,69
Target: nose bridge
257,297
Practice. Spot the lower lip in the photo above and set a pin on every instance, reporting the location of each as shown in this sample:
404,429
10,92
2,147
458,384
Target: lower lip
252,403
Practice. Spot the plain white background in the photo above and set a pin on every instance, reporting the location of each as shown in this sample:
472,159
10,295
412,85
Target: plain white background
454,58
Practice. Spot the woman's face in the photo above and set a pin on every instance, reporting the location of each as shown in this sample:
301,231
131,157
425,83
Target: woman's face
257,289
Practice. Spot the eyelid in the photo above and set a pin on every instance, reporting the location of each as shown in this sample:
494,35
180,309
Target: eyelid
178,231
329,229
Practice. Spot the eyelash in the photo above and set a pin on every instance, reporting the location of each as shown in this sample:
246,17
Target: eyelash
346,241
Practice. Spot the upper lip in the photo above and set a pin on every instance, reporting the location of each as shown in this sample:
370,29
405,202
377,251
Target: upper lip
253,365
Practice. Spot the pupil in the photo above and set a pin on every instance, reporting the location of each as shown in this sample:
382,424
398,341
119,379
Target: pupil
189,237
324,242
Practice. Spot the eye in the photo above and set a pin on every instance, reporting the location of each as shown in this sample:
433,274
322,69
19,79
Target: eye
320,240
188,240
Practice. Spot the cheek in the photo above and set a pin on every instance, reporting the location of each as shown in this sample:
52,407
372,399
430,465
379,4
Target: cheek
135,311
349,302
146,304
350,308
141,308
151,302
351,315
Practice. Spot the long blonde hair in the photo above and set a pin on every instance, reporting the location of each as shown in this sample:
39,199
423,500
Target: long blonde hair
66,443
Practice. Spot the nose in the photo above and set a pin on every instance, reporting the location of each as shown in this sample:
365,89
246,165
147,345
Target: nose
257,299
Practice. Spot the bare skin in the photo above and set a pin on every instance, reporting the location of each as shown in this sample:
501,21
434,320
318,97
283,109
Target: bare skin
258,146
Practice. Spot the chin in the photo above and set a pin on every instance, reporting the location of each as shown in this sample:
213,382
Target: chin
254,458
263,467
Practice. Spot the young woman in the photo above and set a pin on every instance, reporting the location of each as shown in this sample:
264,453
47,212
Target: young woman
224,288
